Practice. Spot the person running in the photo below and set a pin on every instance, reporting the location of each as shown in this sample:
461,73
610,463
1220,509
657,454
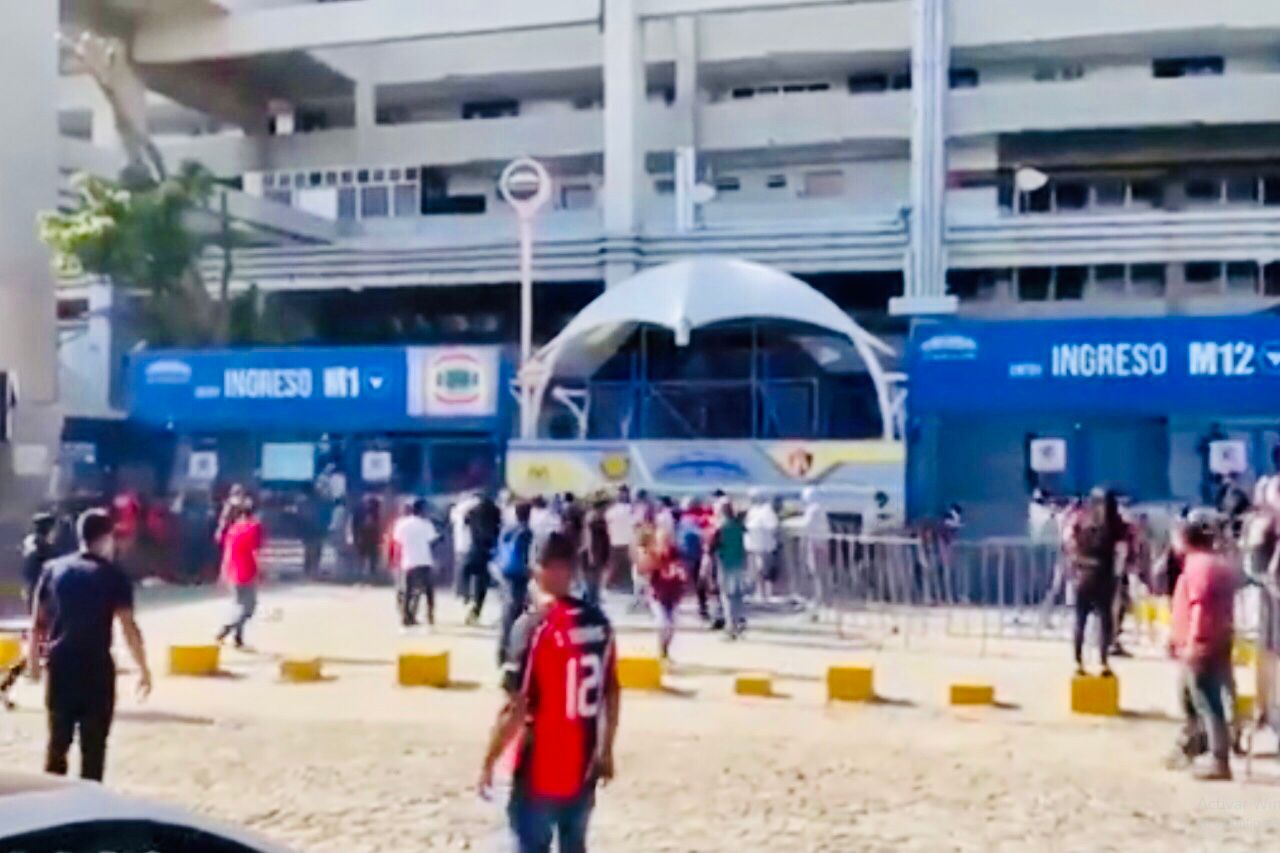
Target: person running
514,550
690,542
1202,630
241,542
461,536
1095,544
484,524
77,600
414,538
664,578
728,548
596,552
563,703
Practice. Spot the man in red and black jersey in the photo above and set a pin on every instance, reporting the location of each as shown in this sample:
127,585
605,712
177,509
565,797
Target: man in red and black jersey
563,704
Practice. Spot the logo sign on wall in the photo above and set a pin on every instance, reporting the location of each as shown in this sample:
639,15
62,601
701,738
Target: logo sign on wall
1048,455
202,466
375,466
1229,456
450,382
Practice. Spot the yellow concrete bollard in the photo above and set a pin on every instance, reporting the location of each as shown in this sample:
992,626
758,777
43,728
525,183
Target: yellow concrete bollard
301,670
1244,653
10,652
969,693
850,683
1095,694
640,673
753,684
1246,705
423,669
193,660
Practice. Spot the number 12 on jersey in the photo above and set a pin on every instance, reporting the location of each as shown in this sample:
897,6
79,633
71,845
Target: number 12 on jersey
583,682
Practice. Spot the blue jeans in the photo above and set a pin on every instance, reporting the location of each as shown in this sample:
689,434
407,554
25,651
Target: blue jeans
1203,690
534,821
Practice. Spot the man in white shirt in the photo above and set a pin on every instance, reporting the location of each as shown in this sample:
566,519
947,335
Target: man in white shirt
814,529
620,519
414,535
543,521
762,543
461,535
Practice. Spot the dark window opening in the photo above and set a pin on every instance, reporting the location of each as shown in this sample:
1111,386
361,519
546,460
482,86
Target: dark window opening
1187,66
1072,195
499,108
1069,282
860,84
1033,284
1202,272
963,78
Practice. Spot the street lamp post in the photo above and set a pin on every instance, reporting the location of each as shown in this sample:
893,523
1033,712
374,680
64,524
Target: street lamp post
526,186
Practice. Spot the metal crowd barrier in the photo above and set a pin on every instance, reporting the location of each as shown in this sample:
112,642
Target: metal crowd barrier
905,585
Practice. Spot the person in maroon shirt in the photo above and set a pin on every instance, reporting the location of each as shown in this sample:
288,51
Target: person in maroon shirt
562,710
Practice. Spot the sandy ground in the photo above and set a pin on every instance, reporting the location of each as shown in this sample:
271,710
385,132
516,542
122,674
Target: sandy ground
358,764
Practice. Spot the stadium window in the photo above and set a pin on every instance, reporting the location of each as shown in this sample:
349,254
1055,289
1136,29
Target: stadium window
406,200
817,87
825,184
743,92
316,179
1203,275
1034,284
901,81
728,185
499,108
330,179
664,186
1242,189
1242,278
1146,194
861,84
346,203
1069,282
776,182
1187,66
375,202
1147,281
1203,190
268,180
362,176
1271,280
1038,201
963,78
347,176
1108,280
1071,195
1109,193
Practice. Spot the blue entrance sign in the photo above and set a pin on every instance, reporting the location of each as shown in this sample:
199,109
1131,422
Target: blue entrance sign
328,389
1220,366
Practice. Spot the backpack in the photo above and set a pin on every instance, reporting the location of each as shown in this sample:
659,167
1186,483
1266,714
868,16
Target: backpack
513,553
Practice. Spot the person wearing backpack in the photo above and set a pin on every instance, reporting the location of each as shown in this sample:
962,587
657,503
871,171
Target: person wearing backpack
512,564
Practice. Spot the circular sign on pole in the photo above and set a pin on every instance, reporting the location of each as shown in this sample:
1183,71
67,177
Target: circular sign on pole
526,186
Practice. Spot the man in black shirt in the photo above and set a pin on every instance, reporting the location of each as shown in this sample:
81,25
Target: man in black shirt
77,599
484,522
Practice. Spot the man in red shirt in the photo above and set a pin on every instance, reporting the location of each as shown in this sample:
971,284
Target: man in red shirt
1200,638
241,539
563,705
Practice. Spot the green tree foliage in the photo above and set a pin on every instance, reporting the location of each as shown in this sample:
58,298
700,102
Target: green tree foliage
142,236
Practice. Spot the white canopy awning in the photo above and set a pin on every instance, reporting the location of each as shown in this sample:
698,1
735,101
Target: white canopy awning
692,294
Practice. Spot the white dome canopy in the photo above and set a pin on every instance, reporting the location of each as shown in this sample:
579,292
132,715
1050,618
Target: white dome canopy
691,294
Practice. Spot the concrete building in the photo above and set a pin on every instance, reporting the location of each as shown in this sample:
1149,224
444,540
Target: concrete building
869,146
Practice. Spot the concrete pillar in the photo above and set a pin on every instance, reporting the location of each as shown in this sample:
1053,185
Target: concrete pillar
624,95
28,185
925,290
686,32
